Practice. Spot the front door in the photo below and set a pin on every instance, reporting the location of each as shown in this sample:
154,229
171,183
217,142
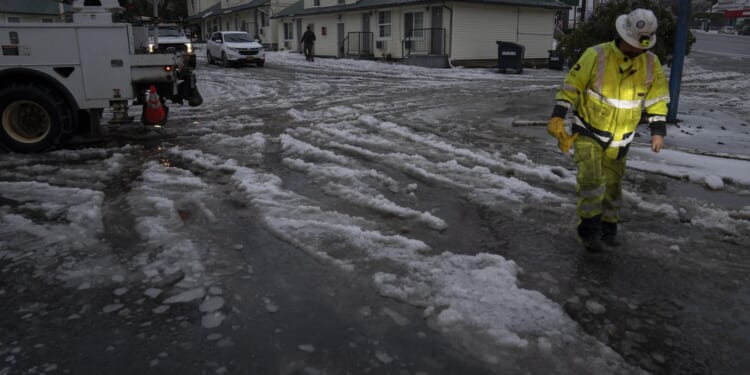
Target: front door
364,38
436,47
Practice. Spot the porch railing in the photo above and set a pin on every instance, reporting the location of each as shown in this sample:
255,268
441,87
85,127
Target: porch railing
429,41
358,43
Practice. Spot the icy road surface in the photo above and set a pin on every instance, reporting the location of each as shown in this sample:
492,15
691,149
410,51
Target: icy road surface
352,217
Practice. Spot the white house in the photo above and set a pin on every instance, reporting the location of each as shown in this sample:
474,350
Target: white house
252,16
18,11
463,32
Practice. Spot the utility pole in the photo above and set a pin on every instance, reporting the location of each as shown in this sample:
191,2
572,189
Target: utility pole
678,59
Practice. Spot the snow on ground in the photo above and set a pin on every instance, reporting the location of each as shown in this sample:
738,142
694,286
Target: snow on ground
474,299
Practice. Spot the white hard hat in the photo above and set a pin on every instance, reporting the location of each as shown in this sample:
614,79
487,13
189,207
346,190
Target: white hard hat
638,28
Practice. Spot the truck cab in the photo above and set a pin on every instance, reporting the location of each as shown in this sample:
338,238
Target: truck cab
170,38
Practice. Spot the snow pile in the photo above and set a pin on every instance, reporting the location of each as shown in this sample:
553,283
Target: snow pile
158,222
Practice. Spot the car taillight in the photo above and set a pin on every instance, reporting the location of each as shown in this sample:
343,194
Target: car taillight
168,68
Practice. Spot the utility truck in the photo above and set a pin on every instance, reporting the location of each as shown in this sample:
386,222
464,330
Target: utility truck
56,79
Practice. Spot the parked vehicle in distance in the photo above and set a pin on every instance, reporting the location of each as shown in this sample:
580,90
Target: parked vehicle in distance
727,30
744,29
234,47
170,37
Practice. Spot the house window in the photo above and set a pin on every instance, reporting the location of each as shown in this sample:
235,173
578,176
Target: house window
342,2
14,19
264,19
316,3
288,31
384,24
414,24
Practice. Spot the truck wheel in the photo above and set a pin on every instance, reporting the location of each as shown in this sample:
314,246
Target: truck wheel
33,117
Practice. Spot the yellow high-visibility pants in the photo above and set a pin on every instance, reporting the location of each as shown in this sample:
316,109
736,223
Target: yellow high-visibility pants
599,181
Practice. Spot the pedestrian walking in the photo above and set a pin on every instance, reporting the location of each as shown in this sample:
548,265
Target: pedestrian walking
308,42
607,89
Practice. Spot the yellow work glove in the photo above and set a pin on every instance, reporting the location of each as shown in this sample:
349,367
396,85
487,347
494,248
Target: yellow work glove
556,128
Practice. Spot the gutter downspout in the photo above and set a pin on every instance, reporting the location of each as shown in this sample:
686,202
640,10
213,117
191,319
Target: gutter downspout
450,54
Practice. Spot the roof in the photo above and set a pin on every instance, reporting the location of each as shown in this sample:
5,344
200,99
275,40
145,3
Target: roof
252,5
216,9
298,8
42,7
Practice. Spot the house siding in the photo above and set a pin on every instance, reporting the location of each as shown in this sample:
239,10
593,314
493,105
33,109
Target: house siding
536,31
477,28
325,45
392,43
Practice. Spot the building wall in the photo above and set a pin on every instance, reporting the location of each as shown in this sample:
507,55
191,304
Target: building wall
325,45
251,19
392,45
536,31
478,27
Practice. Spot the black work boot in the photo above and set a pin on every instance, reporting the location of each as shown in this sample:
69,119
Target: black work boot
609,234
590,233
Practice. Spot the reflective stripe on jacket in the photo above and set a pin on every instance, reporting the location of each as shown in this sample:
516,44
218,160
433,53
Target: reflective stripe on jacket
609,91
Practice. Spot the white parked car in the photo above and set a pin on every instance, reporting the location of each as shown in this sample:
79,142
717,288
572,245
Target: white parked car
236,47
727,30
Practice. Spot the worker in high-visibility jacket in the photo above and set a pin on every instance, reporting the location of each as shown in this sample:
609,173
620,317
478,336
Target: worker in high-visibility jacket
608,88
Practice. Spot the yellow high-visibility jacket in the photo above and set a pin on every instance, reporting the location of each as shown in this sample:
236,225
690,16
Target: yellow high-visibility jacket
609,90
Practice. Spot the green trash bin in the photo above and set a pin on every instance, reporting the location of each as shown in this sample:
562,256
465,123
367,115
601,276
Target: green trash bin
555,60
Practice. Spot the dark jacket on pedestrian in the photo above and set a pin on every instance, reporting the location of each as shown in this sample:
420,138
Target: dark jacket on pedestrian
308,37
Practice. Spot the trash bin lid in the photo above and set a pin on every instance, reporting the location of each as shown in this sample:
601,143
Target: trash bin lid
503,44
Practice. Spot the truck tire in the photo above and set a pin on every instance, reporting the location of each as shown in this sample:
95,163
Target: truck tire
33,117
